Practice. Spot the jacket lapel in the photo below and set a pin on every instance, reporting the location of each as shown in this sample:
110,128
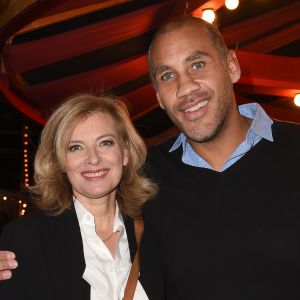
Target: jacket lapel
130,235
66,261
65,256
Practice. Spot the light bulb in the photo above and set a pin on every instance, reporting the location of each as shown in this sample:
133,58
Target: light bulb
208,15
232,4
297,99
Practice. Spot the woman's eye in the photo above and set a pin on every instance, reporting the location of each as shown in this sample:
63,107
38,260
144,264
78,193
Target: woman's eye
74,148
197,65
106,142
167,76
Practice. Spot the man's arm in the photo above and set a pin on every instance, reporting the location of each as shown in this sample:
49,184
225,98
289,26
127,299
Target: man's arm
152,270
7,263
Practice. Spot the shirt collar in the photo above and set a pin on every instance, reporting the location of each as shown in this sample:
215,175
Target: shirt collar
261,125
86,218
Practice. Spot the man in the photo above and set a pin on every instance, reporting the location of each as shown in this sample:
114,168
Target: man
225,224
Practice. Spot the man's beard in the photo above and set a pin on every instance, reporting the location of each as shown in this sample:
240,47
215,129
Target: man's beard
200,133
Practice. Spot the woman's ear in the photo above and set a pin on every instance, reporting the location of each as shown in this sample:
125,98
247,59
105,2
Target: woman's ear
125,157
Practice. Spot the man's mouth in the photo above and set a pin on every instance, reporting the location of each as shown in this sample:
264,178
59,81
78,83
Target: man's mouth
197,106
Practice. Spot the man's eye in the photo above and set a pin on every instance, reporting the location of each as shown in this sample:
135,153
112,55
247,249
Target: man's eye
167,76
74,148
197,65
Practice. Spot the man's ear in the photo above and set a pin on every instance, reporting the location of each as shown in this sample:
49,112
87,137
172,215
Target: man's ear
159,101
234,66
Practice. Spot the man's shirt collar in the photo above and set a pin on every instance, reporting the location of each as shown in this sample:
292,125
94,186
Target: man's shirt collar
260,126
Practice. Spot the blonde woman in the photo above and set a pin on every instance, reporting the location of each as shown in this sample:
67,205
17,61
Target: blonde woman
80,242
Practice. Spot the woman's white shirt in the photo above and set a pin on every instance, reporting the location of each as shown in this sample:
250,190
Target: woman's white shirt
106,275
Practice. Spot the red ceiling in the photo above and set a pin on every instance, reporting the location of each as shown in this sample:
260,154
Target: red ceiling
255,38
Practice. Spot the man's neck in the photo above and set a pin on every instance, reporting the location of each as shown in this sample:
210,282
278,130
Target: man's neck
217,151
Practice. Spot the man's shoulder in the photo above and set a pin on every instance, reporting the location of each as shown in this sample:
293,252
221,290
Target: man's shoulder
162,148
286,125
286,132
159,155
162,164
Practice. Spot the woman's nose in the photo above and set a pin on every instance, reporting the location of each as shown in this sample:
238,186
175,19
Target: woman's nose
93,156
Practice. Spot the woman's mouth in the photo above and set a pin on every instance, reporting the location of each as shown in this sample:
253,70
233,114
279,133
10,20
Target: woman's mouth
90,174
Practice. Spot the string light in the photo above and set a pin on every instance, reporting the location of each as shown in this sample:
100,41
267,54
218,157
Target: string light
297,99
26,136
8,199
22,207
232,4
25,155
208,15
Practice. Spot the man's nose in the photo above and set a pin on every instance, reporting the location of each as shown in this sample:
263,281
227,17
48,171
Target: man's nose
186,85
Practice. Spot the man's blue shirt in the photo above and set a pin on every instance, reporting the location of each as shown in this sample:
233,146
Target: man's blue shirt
260,129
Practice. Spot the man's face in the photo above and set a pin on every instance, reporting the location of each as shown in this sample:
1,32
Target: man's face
194,83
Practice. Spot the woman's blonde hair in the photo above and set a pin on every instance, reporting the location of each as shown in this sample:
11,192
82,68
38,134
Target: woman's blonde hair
52,187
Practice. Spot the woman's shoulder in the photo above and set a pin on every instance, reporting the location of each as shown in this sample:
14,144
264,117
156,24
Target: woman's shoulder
40,218
32,221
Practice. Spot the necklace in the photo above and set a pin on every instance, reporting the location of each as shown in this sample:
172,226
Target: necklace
110,236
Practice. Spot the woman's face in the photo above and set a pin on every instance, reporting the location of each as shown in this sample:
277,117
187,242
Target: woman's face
95,158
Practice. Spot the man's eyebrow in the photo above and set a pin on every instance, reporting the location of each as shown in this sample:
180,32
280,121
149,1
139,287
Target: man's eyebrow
161,69
195,55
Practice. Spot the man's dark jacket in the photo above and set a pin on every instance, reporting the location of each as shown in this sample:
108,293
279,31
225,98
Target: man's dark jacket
230,235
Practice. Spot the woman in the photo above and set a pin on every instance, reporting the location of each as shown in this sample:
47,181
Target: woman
89,187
